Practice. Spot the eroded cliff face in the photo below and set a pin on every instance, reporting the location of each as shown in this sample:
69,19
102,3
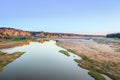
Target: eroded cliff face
4,32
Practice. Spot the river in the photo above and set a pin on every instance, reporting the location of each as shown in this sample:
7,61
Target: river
43,61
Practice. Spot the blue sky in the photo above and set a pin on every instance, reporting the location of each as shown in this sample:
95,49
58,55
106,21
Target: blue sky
77,16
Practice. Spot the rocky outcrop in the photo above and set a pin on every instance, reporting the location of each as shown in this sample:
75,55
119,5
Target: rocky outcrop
11,32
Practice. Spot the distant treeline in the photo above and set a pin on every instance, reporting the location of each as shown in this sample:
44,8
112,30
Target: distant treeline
114,35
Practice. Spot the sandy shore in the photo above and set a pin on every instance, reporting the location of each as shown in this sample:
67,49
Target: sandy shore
98,51
104,51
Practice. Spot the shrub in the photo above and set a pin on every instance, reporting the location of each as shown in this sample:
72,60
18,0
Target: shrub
19,38
64,52
85,57
72,51
96,75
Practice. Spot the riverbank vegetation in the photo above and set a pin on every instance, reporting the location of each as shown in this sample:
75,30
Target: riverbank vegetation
16,38
91,66
114,35
72,51
98,68
57,43
19,38
64,52
96,75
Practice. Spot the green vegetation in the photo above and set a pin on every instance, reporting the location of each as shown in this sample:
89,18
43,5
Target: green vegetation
77,60
19,38
57,42
64,52
89,62
96,75
90,65
7,37
16,38
115,35
108,69
70,50
85,57
1,53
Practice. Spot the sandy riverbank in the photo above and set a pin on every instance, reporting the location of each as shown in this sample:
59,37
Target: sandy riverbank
104,51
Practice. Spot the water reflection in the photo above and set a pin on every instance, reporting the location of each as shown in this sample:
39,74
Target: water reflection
5,58
41,41
27,42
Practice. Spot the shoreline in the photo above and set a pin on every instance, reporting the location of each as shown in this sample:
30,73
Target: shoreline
103,56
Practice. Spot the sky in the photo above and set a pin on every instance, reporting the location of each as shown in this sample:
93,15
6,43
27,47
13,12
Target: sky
72,16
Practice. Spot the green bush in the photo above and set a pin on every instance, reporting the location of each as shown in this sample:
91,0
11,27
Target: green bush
57,43
96,75
7,37
64,52
85,57
72,51
19,38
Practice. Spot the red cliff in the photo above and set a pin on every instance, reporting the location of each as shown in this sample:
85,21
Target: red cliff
11,32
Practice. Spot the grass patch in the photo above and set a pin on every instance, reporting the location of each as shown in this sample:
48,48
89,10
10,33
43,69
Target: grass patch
84,57
96,67
77,60
96,75
1,53
64,52
7,37
19,38
91,64
57,42
70,50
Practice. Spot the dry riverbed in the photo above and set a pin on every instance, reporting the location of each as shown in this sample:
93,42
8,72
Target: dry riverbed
98,55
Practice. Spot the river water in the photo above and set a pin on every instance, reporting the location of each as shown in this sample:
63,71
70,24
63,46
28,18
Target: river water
43,61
